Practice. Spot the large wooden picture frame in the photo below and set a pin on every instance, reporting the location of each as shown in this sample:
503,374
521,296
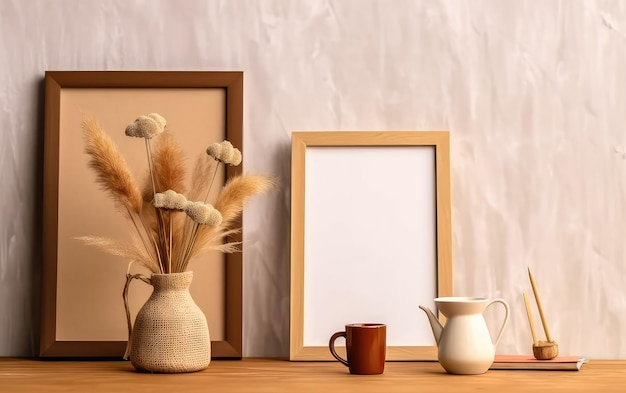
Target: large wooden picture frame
82,308
370,237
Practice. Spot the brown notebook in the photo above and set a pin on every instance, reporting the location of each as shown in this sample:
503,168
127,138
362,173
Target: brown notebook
526,362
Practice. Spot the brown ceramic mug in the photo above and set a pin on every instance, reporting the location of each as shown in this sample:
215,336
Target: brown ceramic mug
365,347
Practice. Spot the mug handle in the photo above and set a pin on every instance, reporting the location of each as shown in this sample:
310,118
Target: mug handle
506,317
331,345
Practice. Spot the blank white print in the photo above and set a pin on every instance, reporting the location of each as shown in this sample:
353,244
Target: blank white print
370,252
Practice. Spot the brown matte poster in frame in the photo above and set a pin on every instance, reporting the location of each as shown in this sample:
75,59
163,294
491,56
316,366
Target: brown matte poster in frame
371,237
82,308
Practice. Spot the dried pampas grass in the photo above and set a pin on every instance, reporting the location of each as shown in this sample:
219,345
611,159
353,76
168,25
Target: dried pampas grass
204,168
167,236
133,252
237,192
230,203
169,165
112,173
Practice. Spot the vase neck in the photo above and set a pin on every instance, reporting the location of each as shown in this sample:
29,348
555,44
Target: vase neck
172,281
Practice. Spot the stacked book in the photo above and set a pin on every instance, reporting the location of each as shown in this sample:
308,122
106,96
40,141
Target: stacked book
525,362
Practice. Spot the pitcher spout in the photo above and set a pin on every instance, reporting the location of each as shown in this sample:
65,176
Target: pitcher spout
434,323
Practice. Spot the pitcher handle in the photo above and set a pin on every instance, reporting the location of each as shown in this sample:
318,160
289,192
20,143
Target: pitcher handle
129,278
506,317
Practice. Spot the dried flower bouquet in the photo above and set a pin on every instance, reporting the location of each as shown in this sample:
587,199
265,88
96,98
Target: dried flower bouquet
171,223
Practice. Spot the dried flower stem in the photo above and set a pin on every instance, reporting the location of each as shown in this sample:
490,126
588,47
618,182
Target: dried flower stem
169,260
143,241
184,260
208,191
196,226
162,236
192,241
149,154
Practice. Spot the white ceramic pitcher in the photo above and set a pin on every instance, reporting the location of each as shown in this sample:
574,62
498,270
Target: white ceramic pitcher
464,344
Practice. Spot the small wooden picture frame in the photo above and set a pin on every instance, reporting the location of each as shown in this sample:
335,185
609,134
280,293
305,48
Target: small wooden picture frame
370,237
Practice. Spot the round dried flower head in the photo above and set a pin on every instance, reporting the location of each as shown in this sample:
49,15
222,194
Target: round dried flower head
159,119
203,213
236,160
214,219
170,200
225,152
146,126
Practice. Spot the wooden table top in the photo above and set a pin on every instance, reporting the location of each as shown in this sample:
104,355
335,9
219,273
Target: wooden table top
267,375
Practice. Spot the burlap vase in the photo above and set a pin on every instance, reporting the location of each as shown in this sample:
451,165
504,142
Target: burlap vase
170,334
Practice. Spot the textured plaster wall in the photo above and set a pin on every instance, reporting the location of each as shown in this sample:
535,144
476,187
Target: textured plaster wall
533,93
